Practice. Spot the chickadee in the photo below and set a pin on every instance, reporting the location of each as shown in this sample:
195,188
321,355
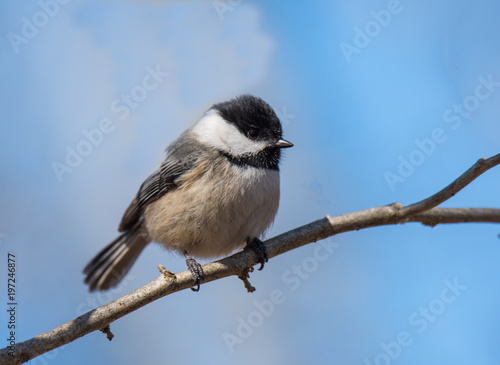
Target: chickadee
217,190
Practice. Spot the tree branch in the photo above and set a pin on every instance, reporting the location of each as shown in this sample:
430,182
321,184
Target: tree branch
481,166
437,216
238,264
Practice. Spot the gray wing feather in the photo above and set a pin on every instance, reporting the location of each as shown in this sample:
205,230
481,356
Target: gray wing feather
152,189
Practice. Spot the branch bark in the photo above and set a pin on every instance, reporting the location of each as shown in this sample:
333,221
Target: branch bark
425,212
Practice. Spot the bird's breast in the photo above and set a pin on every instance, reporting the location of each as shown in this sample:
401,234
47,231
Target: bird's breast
214,209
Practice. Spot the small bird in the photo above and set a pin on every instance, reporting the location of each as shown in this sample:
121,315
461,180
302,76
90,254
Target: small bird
217,191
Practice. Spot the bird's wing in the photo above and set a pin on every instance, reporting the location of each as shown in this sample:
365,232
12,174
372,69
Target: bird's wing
153,188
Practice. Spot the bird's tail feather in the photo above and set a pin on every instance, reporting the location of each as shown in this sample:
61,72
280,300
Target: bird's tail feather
110,265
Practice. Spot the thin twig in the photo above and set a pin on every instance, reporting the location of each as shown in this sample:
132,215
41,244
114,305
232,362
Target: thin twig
244,276
423,211
481,166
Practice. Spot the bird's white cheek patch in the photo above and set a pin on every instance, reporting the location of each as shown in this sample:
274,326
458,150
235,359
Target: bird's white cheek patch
215,131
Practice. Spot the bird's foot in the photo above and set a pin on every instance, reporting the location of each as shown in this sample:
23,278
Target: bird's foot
258,247
196,271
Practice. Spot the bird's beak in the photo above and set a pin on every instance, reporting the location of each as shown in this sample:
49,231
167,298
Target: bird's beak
283,144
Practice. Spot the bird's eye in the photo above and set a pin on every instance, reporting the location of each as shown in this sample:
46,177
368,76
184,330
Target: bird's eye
253,133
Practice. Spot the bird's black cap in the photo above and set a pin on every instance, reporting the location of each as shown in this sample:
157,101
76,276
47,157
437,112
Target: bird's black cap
252,116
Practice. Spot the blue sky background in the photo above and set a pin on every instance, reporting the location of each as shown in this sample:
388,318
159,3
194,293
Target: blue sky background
352,119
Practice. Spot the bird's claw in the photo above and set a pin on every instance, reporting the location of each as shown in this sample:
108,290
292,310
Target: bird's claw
196,271
258,247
